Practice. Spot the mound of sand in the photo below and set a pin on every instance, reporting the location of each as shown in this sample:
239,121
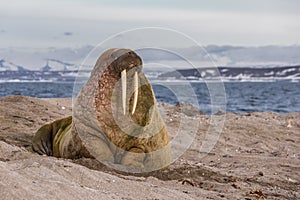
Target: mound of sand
256,156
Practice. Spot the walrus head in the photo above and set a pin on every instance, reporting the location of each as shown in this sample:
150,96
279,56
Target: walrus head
123,95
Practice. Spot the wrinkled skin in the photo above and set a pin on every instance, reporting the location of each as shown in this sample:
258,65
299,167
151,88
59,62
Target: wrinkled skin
100,129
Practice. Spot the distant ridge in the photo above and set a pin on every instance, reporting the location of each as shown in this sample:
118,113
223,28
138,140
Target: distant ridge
227,56
9,66
292,72
200,74
57,65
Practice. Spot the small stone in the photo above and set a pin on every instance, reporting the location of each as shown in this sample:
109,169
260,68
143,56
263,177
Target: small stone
260,173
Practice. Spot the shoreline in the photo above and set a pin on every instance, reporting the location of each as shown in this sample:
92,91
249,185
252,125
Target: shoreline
67,103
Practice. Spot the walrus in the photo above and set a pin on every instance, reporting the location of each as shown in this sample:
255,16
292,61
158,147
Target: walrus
115,118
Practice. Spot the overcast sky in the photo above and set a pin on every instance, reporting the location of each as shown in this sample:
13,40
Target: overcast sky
74,23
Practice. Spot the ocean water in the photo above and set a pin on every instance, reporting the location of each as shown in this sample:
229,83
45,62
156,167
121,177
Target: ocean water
241,97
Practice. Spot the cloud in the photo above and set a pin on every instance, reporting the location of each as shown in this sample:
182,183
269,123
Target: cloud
213,22
75,10
68,33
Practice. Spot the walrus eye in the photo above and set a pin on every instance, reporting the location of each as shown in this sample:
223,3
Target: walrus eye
124,90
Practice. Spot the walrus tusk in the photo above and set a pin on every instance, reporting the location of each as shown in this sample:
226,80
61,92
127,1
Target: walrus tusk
124,85
136,91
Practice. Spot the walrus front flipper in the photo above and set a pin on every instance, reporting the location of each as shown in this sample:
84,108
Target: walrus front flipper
134,157
42,141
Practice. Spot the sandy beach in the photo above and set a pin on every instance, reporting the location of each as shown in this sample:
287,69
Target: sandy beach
257,156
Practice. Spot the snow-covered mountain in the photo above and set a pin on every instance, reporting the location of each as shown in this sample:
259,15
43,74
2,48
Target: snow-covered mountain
9,66
235,73
51,65
57,65
264,56
61,59
53,59
229,56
